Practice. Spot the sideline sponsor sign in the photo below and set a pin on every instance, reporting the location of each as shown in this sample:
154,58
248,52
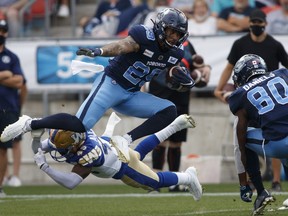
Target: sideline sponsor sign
46,63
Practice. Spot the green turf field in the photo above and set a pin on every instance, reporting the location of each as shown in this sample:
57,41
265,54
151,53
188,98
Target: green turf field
118,200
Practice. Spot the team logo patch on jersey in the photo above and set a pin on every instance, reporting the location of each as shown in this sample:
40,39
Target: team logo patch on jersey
6,59
172,60
149,33
148,53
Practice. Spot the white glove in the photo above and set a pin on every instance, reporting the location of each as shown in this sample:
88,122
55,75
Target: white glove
40,159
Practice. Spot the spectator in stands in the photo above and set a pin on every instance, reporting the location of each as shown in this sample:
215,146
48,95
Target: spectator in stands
63,10
261,4
278,19
201,22
158,6
10,11
218,5
235,18
258,42
117,18
267,5
105,11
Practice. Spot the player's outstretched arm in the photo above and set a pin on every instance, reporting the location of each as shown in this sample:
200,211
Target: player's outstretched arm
67,179
124,46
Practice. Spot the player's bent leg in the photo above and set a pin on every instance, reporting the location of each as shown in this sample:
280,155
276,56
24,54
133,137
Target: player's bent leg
181,122
137,174
19,127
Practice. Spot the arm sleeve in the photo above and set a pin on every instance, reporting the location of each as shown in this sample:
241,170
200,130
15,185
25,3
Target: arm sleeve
239,165
69,180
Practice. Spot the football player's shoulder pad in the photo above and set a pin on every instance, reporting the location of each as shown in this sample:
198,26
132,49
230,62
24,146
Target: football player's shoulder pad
141,34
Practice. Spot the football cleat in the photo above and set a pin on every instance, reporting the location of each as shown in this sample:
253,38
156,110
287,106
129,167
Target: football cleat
194,186
122,147
19,127
261,202
184,121
285,205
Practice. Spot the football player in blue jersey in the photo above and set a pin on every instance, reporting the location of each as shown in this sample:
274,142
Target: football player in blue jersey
144,53
109,156
260,97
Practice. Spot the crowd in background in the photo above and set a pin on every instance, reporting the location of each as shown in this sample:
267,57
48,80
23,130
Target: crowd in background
115,17
206,17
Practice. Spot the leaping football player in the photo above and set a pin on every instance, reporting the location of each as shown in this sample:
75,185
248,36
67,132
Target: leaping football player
144,53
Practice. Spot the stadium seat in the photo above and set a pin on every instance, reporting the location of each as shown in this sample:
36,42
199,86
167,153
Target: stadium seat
33,15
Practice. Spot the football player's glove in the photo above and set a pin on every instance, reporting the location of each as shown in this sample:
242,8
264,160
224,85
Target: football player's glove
89,52
40,159
180,79
246,193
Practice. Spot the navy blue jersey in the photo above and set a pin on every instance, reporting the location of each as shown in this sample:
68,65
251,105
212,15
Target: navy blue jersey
266,101
132,70
9,99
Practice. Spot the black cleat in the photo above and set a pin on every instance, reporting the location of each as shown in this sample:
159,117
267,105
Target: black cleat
261,202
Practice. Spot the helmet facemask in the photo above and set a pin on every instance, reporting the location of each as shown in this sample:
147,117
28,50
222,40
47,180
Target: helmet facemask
64,143
175,20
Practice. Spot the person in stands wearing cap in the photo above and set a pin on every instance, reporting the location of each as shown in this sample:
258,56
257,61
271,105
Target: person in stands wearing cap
11,81
258,42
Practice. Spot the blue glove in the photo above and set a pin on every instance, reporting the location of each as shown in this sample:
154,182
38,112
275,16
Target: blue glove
246,193
89,52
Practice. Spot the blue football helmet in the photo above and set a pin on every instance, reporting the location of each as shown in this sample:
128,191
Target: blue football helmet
247,67
174,19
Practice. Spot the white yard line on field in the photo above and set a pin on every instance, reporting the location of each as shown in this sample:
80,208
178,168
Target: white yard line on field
60,196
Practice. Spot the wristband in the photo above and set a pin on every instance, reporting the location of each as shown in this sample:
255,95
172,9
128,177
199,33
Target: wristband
44,166
98,52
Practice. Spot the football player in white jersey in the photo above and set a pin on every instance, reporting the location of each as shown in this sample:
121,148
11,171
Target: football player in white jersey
110,157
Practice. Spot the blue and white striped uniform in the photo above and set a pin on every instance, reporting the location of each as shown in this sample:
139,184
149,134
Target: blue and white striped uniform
98,153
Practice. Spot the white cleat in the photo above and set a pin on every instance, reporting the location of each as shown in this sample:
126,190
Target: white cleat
285,205
19,127
194,187
184,121
122,147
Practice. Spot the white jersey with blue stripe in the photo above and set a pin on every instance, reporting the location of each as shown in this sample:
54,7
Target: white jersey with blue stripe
96,152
